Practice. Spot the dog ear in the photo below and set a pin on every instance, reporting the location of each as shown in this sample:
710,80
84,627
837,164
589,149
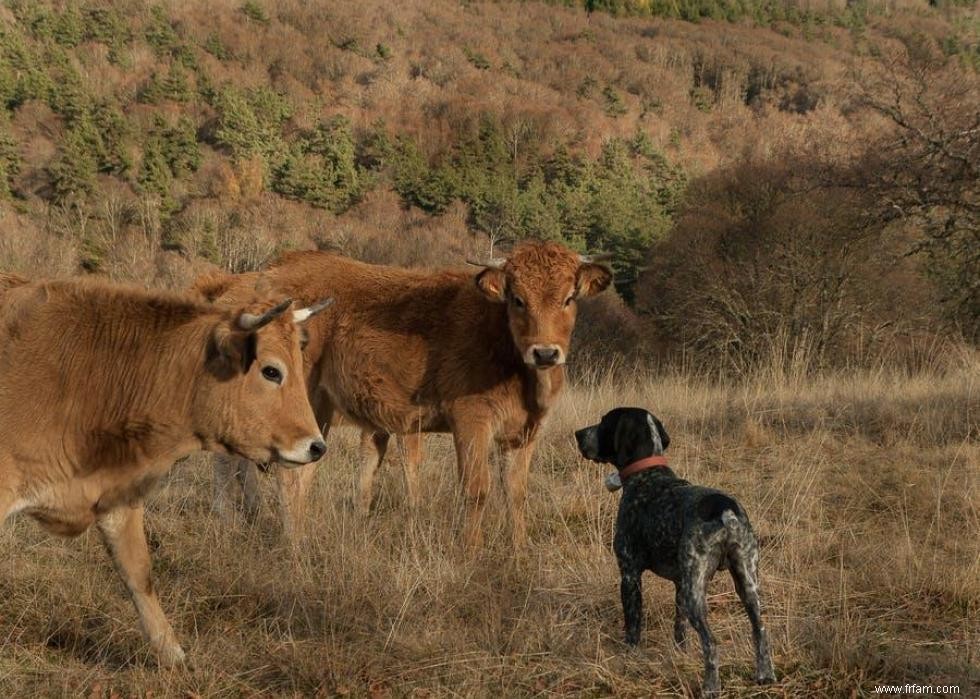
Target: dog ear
664,437
625,438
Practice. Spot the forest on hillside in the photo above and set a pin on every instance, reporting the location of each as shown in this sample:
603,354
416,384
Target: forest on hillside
773,176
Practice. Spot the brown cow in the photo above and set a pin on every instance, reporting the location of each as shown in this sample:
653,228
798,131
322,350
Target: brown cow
406,351
102,388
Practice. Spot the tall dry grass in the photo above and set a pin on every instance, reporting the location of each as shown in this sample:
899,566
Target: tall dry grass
863,487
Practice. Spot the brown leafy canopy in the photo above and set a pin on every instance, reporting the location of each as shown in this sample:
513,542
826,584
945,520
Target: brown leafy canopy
824,256
925,174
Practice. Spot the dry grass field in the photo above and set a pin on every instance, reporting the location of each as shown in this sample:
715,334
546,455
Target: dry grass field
863,488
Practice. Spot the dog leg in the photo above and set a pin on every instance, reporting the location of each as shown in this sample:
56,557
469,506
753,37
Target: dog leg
696,606
744,570
631,593
680,629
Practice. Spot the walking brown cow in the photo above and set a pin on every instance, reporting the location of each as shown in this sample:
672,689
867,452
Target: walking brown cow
407,351
102,388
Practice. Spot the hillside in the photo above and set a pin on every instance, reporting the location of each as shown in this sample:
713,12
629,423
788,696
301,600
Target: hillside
147,142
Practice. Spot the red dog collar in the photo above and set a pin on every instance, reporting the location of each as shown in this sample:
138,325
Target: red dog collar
642,465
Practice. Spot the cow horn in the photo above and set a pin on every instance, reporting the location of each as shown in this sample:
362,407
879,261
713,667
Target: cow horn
493,263
304,314
598,257
252,322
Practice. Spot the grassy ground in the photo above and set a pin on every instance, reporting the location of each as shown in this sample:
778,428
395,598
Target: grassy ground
863,488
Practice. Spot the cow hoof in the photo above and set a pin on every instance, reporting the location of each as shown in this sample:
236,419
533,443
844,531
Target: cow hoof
768,678
171,656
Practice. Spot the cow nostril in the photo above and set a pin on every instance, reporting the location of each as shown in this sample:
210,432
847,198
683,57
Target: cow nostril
545,356
317,449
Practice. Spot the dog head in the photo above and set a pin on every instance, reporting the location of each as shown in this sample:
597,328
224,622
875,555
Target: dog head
624,435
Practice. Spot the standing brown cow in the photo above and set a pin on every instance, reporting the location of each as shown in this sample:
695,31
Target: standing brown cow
407,352
102,388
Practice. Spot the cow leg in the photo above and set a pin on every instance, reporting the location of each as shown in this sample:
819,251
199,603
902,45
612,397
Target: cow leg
374,445
472,457
222,478
412,443
231,475
124,537
518,464
248,479
293,486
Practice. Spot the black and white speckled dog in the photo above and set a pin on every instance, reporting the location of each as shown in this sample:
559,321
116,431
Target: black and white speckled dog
681,532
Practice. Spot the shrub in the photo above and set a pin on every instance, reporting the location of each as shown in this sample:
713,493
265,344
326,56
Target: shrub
105,25
216,47
173,86
250,122
321,168
155,175
180,147
752,262
614,106
254,11
477,59
72,174
9,159
159,32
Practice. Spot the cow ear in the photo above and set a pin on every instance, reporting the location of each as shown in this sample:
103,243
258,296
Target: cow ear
492,283
231,351
212,286
592,278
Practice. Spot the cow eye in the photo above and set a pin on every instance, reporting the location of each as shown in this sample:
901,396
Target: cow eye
272,374
518,301
568,301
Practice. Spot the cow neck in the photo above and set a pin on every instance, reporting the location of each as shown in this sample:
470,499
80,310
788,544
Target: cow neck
544,386
169,375
540,388
145,403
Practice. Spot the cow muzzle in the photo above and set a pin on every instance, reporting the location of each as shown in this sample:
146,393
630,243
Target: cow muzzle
304,452
544,356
